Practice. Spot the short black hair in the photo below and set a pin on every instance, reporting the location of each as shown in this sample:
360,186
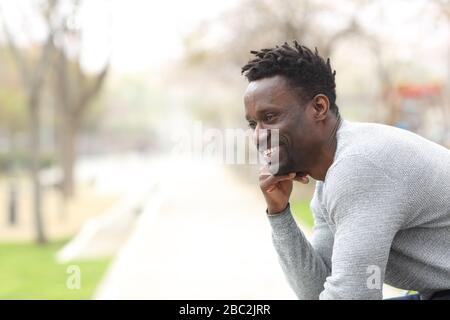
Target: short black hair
306,71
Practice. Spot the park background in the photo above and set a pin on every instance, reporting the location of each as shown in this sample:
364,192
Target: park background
94,95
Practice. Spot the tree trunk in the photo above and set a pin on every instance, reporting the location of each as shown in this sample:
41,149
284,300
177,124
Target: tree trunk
11,169
35,156
68,148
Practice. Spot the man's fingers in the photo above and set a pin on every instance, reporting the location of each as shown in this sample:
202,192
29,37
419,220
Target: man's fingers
270,182
267,178
302,179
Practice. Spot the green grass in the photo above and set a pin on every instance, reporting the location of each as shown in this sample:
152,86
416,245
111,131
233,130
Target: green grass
28,271
302,212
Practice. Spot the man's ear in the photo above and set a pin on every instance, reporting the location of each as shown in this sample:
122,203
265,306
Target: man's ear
321,106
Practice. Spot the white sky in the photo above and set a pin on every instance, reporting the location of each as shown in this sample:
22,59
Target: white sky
146,34
141,33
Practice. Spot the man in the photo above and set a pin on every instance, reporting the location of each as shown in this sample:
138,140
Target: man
381,204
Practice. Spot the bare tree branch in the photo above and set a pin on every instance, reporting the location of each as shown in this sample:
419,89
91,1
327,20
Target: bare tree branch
89,91
16,53
37,77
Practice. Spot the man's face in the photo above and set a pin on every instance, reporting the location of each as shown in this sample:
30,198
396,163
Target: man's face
271,103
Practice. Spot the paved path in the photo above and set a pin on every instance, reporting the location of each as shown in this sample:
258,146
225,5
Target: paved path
202,236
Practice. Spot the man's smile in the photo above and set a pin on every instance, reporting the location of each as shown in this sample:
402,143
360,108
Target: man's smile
272,155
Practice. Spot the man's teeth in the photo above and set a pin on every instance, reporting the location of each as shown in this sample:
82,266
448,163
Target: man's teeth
269,152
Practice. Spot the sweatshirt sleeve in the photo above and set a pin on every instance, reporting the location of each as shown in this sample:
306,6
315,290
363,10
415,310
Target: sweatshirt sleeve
365,208
304,266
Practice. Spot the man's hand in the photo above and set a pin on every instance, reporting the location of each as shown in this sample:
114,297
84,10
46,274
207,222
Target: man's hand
277,189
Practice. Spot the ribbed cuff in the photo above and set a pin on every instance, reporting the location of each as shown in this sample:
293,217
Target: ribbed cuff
282,223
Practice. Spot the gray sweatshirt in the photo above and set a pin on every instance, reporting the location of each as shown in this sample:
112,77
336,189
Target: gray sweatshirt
381,215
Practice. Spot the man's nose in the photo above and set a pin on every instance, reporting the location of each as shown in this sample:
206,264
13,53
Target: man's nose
261,137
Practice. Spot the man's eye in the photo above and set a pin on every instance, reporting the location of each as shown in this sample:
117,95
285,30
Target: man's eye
252,125
270,116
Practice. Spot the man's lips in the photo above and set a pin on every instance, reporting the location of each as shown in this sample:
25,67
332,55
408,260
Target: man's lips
269,154
268,157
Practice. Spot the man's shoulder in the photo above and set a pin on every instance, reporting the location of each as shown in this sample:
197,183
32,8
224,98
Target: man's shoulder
353,172
376,140
372,146
367,138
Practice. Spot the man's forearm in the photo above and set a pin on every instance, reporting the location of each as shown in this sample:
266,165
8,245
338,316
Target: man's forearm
304,268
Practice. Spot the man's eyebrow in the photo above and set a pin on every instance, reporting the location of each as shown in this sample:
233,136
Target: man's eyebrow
266,109
263,110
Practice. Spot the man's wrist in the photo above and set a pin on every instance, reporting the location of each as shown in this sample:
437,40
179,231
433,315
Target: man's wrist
275,211
283,224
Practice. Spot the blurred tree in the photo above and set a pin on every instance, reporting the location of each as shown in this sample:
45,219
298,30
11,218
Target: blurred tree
220,47
444,9
13,115
74,89
33,72
256,24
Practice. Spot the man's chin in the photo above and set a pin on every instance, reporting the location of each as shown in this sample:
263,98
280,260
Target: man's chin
280,170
